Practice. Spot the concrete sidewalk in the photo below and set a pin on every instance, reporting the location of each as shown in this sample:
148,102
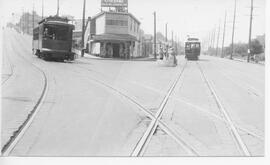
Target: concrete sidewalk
90,56
245,60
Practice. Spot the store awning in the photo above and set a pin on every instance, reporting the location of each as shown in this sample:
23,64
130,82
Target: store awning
114,37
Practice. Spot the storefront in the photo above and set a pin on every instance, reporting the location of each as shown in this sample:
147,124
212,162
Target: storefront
114,34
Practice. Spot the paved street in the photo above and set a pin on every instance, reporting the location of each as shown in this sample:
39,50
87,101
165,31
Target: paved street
101,107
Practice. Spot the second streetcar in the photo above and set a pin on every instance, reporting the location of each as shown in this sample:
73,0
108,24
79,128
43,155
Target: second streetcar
52,39
192,49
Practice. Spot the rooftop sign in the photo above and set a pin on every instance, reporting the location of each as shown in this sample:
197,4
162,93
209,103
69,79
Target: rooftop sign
114,3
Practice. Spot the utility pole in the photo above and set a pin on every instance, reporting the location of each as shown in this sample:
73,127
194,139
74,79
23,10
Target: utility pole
172,39
213,38
233,30
83,28
218,39
224,32
166,26
210,40
33,17
23,21
27,19
57,8
250,30
155,37
166,36
176,44
42,11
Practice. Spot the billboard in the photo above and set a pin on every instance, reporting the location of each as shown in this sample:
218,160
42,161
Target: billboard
114,3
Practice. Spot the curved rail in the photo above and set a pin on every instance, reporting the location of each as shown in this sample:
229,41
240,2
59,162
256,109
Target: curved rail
173,134
195,107
8,147
144,141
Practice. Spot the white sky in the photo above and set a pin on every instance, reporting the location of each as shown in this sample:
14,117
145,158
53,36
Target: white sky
184,17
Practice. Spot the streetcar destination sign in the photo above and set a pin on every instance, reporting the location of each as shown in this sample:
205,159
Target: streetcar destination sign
114,3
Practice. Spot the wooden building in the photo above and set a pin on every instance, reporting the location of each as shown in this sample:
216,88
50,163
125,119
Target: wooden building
114,34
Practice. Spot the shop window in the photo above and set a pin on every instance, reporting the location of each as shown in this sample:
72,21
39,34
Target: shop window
116,22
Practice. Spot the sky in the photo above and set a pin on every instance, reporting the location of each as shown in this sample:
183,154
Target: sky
195,18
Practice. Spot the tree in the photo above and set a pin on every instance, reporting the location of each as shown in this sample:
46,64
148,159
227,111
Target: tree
256,47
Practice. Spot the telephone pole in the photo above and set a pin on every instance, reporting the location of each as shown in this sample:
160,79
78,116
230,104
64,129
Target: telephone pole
250,30
218,39
233,30
176,44
209,41
42,11
57,8
27,19
172,38
166,26
214,38
23,21
224,31
155,37
83,28
33,17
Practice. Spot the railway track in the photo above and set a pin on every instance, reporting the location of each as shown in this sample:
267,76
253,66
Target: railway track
17,135
186,102
239,141
155,119
144,141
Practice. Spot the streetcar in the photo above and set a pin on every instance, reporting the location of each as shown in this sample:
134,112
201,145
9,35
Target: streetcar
52,39
192,49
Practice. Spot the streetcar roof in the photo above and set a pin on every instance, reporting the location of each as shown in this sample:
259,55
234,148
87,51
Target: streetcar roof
58,23
56,20
193,42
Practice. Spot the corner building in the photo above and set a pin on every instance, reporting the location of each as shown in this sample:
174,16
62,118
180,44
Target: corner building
114,34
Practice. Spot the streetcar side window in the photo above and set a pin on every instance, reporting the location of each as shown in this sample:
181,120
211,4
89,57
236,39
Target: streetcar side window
56,32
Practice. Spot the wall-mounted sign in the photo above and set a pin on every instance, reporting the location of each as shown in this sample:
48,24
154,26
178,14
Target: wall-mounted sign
114,3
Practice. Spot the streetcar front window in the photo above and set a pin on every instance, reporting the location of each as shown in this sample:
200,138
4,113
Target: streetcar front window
190,46
56,32
187,46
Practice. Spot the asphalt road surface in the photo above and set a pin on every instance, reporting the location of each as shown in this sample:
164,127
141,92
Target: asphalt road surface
103,107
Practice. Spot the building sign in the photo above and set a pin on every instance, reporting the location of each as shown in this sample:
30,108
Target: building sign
114,3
